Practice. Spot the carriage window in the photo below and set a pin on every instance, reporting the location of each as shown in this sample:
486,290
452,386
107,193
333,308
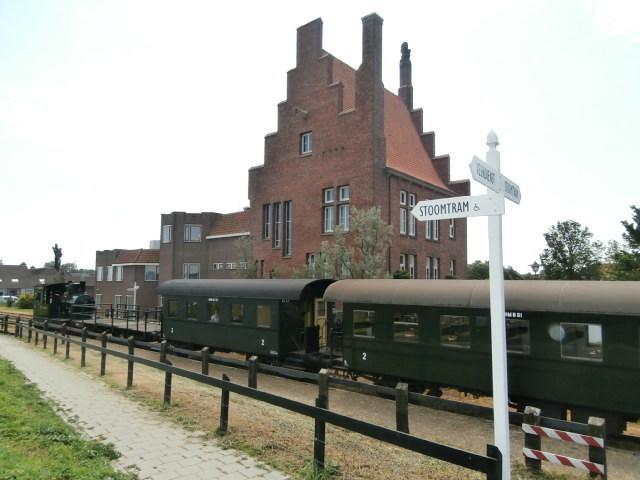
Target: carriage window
518,339
455,331
237,313
581,341
263,316
363,323
213,310
321,308
192,310
405,327
172,308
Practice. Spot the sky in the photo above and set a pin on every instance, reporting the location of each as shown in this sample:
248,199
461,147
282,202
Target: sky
113,112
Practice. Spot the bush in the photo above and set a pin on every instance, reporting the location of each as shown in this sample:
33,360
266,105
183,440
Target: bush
401,274
25,301
9,302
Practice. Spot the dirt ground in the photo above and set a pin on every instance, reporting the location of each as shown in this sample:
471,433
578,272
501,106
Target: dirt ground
285,440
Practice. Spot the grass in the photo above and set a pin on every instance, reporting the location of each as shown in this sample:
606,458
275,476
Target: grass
15,310
35,444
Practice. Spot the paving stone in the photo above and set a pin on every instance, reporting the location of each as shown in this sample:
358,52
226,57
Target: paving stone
150,445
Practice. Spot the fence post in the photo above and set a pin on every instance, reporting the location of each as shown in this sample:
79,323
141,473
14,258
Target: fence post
532,417
29,333
130,351
5,324
597,428
55,344
204,358
402,407
224,407
66,341
83,349
252,370
16,330
167,375
36,336
103,355
494,452
320,428
44,334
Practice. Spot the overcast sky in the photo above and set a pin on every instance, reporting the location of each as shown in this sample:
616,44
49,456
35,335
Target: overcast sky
113,112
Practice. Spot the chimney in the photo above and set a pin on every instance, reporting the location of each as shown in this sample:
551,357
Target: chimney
309,46
372,47
405,92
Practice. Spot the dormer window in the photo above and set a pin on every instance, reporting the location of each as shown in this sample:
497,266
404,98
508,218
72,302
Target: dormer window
306,143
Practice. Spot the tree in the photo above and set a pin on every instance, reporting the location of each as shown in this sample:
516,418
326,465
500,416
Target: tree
479,270
571,254
624,260
359,253
632,233
69,268
244,254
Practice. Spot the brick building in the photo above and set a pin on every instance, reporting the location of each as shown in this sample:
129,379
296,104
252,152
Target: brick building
344,141
201,245
116,272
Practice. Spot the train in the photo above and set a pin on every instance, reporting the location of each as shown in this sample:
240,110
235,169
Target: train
62,300
573,346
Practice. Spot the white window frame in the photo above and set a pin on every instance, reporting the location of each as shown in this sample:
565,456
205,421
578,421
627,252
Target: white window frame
403,197
344,216
118,273
306,143
436,268
412,266
452,228
189,229
428,272
98,298
217,266
187,270
155,271
287,213
277,225
329,195
412,219
167,233
117,300
109,273
344,193
266,221
99,274
427,230
403,221
230,266
403,262
328,219
452,267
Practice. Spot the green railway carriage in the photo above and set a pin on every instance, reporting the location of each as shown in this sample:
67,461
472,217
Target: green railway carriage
571,345
269,318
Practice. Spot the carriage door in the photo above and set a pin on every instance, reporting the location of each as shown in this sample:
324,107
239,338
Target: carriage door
320,310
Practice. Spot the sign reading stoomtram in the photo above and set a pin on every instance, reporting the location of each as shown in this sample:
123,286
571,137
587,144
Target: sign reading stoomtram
459,207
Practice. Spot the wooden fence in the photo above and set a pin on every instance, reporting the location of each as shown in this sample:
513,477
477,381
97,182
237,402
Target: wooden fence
489,464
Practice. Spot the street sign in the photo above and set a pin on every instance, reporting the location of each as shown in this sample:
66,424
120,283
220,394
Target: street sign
459,207
488,176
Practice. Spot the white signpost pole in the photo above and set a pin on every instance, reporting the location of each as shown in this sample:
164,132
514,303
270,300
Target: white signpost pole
498,329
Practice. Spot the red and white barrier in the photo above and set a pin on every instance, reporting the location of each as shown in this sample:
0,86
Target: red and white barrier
564,460
586,440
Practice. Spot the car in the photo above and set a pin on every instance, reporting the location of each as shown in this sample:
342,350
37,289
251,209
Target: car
8,298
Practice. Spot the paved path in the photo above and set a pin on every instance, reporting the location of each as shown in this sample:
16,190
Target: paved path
150,445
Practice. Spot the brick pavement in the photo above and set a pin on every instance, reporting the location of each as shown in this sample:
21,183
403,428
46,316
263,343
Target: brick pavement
150,446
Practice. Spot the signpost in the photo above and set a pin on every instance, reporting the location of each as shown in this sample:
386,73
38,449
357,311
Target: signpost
134,289
491,205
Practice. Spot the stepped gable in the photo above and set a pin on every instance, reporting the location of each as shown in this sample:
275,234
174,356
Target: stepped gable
230,224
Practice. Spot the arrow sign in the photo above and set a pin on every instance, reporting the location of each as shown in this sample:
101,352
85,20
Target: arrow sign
490,178
459,207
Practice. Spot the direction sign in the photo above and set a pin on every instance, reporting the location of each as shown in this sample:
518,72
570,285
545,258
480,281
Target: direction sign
491,178
459,207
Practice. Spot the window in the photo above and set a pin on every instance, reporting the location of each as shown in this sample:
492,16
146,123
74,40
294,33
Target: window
263,316
427,230
403,197
192,310
329,195
172,309
118,272
109,273
167,231
412,266
277,221
343,193
192,233
412,219
213,310
455,331
452,267
428,269
405,327
117,300
329,219
320,308
99,274
343,216
243,265
230,266
581,341
363,321
128,301
266,222
436,229
403,221
436,268
98,299
218,266
518,338
237,313
403,262
306,143
151,273
287,228
452,228
190,271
